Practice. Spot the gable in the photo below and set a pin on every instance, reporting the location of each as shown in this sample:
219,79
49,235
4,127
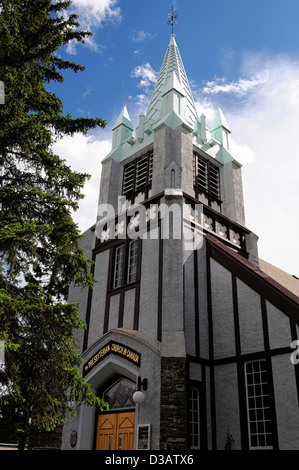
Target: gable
273,292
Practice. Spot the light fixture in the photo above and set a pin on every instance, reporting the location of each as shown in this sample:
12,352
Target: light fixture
138,395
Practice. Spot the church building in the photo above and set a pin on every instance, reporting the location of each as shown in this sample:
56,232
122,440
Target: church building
191,338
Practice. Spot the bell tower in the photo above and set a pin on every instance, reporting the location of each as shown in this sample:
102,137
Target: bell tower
153,182
177,277
186,156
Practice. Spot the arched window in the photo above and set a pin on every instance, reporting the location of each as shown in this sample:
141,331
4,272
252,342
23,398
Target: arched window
120,395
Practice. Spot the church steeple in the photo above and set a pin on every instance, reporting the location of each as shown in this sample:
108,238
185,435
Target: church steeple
172,99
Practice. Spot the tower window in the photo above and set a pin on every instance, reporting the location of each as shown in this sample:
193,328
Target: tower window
118,267
138,177
207,179
258,405
132,265
125,264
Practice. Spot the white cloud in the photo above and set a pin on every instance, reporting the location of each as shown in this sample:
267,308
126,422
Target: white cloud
244,154
92,15
266,121
239,87
140,36
148,78
262,109
94,12
84,154
147,74
88,91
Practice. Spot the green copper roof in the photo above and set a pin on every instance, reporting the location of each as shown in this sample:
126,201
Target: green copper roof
172,76
220,121
124,119
172,105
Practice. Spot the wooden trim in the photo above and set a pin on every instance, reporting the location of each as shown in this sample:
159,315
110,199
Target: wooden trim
211,353
99,247
121,309
296,367
196,304
88,308
271,290
240,369
107,302
269,373
137,288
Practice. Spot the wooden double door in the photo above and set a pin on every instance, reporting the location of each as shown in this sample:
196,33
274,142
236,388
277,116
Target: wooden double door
115,431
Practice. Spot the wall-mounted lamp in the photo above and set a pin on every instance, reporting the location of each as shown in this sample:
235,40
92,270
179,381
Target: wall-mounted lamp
138,395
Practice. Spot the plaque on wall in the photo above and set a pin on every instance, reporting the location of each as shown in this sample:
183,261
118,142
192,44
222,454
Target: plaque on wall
73,438
143,436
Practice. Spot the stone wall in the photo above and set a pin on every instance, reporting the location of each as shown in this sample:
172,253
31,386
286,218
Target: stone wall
173,420
45,440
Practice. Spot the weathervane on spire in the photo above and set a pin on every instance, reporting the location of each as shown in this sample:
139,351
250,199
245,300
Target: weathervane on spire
173,18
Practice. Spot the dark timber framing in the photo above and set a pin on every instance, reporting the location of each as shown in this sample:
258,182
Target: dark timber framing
269,290
112,245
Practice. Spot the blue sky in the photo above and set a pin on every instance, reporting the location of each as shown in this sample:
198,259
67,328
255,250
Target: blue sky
241,55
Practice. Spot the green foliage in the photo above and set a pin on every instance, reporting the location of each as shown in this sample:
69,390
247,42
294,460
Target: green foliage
40,254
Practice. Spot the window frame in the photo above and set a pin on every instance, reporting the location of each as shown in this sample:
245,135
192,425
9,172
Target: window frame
126,247
208,188
118,279
258,410
132,261
191,414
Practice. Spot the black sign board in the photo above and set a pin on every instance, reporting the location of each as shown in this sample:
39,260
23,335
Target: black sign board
112,348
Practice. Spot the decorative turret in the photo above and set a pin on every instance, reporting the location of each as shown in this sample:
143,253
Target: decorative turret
220,130
122,129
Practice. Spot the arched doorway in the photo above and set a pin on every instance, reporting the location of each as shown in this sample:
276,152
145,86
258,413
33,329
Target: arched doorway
115,428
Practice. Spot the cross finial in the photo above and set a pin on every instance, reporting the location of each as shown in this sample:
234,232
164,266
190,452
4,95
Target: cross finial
173,18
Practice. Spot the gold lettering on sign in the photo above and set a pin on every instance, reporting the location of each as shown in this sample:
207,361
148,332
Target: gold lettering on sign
114,348
117,348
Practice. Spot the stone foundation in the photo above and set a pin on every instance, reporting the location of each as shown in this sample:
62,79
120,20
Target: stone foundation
45,440
173,421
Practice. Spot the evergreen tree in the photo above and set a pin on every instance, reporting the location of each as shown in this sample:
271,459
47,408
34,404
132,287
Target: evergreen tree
40,254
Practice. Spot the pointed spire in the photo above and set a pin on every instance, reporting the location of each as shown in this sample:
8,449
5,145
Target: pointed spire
122,129
123,118
172,77
220,121
220,130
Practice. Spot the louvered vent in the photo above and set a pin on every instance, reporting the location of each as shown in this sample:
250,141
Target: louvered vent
207,179
129,173
202,174
214,182
150,172
141,173
138,175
